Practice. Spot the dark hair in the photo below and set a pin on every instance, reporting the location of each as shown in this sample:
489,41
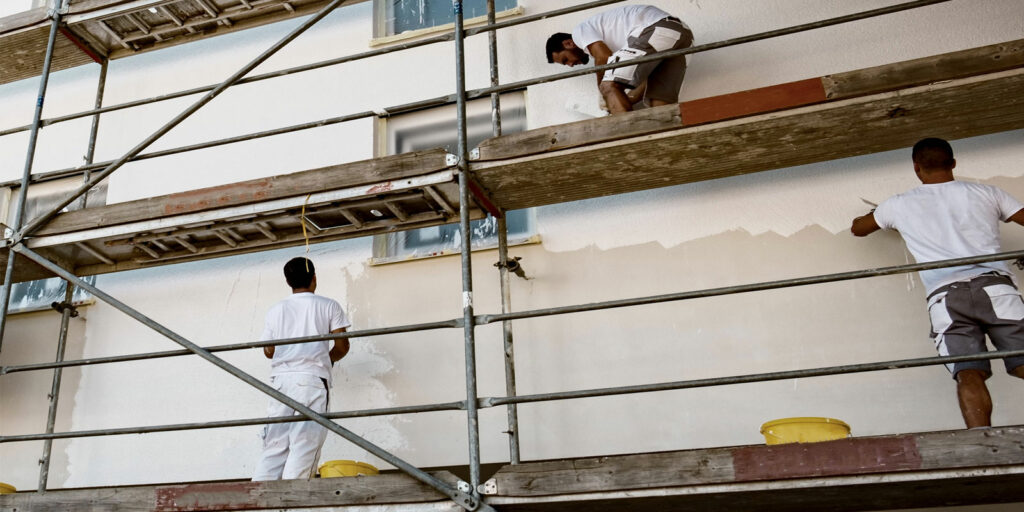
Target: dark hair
933,153
299,272
555,45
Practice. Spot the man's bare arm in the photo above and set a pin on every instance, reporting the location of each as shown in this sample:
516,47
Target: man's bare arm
1017,217
340,348
601,54
865,225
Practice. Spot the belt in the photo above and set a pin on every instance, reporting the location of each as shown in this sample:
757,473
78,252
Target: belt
993,273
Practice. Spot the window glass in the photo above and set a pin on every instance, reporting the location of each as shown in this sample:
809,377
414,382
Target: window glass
397,16
437,128
36,295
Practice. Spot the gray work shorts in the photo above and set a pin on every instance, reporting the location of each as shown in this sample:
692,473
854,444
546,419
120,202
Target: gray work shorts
664,77
962,313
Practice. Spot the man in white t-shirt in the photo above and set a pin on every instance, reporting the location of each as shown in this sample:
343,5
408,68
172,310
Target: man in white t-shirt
946,219
302,371
621,34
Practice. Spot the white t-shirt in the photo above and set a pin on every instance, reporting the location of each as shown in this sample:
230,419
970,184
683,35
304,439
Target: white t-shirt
950,220
303,314
616,25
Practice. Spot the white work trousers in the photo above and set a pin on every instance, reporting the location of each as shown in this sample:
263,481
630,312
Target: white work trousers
291,450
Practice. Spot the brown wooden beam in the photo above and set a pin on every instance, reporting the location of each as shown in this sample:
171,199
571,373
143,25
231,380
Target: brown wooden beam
889,77
954,109
246,192
845,474
387,489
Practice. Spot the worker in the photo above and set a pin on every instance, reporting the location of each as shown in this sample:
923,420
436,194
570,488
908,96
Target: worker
302,371
945,219
621,34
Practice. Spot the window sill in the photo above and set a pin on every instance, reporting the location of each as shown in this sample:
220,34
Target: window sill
512,241
416,34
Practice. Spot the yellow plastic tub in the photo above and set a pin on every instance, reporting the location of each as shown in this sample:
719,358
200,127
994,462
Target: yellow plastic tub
336,468
804,430
7,489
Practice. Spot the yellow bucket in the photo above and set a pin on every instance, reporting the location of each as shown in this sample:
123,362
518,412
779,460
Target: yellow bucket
336,468
7,489
804,430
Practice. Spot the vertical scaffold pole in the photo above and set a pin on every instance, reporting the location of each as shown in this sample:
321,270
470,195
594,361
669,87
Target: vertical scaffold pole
506,295
66,311
506,330
472,418
492,51
33,137
90,152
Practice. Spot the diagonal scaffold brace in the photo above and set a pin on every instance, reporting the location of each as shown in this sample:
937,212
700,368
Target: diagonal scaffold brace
463,499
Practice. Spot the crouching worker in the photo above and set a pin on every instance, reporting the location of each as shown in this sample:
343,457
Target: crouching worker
945,219
301,371
622,34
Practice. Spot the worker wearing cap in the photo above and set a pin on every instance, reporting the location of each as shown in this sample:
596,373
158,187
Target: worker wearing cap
622,34
302,371
946,219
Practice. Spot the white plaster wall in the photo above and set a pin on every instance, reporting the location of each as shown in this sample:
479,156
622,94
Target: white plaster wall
11,7
772,225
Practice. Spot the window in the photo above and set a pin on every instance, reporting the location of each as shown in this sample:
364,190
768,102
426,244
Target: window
38,295
397,16
436,128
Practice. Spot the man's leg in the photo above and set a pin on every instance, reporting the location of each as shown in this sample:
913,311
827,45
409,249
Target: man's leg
275,440
975,402
306,438
956,331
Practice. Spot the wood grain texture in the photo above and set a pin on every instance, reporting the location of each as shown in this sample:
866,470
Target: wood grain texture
393,488
589,131
246,192
705,470
890,77
956,109
947,66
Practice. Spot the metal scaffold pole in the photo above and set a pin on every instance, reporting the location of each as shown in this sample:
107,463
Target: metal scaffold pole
469,326
506,331
160,132
19,211
463,499
66,312
506,296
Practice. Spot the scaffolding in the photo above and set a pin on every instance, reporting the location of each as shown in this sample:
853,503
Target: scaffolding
445,187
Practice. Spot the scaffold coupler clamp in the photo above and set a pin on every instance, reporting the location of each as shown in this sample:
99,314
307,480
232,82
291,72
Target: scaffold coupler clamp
512,265
451,159
60,307
468,501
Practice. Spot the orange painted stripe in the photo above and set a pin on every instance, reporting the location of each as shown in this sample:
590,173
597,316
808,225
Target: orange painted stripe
754,101
829,458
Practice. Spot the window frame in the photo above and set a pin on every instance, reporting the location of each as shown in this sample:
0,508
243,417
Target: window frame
382,242
381,37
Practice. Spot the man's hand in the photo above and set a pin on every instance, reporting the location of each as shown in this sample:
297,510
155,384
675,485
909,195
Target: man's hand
269,351
637,95
340,348
864,225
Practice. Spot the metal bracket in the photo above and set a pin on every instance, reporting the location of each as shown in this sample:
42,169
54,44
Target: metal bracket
450,159
512,265
489,487
474,154
60,307
468,501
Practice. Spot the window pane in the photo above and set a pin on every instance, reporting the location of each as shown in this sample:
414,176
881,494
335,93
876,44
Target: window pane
437,128
405,15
